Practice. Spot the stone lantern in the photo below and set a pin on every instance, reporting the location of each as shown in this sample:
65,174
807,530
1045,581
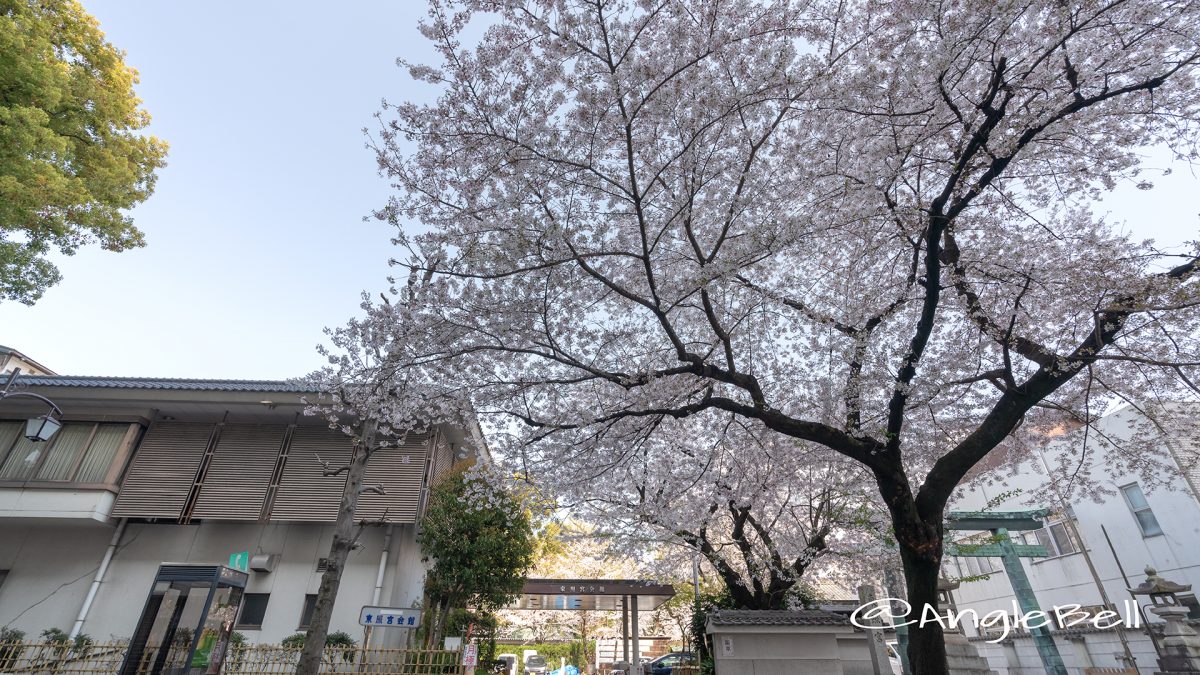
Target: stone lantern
1180,644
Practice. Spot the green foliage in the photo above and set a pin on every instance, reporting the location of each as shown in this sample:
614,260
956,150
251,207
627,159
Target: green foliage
480,553
71,157
55,636
9,650
293,641
336,639
483,626
80,644
1001,498
709,601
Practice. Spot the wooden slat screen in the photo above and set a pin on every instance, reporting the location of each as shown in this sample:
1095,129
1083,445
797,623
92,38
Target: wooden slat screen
304,494
235,484
443,459
399,470
163,469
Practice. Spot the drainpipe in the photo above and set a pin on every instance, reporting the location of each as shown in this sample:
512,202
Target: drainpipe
383,559
104,562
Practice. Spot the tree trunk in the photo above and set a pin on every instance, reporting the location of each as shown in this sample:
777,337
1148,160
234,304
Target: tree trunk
344,536
926,643
918,528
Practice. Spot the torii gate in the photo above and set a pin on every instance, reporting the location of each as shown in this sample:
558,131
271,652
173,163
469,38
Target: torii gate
1010,553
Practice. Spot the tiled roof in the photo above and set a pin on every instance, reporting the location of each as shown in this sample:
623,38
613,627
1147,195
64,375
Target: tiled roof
776,617
181,384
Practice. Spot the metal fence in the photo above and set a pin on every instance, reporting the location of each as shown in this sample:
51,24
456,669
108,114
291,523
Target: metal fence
56,658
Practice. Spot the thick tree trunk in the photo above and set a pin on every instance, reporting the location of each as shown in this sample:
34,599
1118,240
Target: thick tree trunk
919,530
345,533
926,644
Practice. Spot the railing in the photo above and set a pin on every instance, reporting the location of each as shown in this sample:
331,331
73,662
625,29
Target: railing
54,658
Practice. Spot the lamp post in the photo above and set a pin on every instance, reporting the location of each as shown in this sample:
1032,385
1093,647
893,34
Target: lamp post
37,429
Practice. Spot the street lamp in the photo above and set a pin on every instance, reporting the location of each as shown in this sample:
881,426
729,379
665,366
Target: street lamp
37,429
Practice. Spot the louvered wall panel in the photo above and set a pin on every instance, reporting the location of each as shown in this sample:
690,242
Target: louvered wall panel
163,470
443,459
236,482
304,494
401,479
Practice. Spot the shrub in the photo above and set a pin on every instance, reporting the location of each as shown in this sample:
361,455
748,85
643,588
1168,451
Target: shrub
10,646
336,639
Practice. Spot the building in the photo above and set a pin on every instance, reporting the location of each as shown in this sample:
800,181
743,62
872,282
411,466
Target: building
11,359
1099,542
146,471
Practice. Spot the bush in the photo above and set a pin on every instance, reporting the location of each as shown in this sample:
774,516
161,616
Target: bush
336,639
55,636
10,647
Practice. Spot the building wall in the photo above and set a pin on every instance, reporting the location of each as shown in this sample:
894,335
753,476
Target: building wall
51,566
1066,579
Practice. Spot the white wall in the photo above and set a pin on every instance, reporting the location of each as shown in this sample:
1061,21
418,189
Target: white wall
51,566
1066,579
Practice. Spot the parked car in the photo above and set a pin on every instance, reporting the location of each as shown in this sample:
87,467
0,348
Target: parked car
666,664
510,662
535,664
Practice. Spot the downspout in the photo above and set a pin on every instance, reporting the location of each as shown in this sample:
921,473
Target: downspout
383,559
375,595
100,572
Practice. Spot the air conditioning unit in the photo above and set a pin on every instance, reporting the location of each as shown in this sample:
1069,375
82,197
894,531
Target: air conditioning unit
264,562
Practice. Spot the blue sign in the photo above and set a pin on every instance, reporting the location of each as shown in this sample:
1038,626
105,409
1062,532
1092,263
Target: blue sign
397,617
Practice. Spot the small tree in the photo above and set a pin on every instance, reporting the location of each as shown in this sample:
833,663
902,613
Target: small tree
479,551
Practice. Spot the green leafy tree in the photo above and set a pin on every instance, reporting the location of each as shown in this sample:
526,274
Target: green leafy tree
71,158
480,548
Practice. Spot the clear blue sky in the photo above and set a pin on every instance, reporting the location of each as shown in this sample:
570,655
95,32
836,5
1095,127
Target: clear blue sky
256,238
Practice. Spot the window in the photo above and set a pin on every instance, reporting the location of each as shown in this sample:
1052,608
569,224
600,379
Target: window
1058,539
254,608
973,567
310,604
1141,510
81,452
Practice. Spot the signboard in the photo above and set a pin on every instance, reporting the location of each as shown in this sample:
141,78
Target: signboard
471,655
726,646
406,617
240,561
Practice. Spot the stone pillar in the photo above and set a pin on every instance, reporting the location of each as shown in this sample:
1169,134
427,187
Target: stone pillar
961,655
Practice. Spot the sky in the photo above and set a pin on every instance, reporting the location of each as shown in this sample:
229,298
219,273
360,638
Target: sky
256,238
255,232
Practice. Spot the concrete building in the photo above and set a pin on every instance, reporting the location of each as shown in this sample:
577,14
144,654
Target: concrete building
146,471
1099,542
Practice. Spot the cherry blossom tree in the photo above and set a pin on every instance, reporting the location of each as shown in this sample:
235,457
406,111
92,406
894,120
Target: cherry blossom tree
866,226
756,508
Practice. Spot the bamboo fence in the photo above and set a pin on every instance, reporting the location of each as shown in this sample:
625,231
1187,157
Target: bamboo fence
65,658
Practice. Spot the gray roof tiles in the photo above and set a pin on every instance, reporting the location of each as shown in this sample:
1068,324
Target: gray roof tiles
162,383
776,617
